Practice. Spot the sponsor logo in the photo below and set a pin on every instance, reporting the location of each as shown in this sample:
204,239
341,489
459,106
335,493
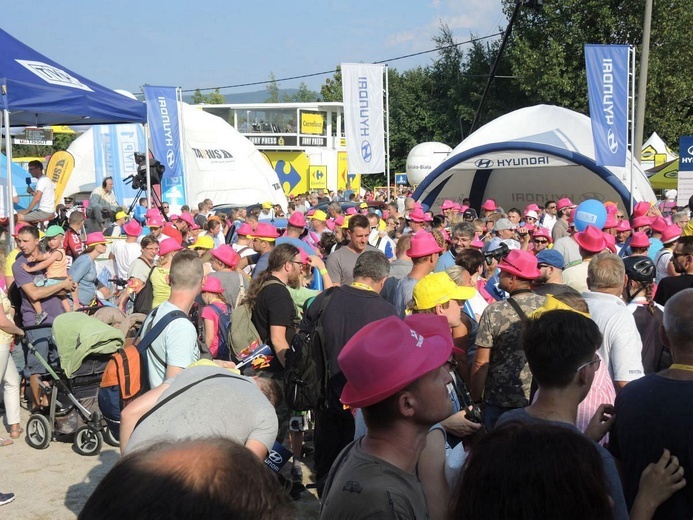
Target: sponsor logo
484,164
275,457
366,151
53,75
170,158
313,141
364,109
419,339
690,150
522,161
608,102
212,153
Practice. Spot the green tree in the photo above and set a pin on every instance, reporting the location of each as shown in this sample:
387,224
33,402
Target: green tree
546,54
272,90
199,98
304,95
332,89
216,98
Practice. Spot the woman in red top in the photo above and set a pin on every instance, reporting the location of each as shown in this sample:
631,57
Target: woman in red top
215,304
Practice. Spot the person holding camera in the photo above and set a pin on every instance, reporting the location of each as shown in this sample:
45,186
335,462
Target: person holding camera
102,203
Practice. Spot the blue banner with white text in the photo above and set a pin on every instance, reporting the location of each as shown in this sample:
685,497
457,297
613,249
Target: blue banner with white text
607,86
164,127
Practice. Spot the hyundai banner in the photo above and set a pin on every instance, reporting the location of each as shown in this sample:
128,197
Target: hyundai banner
114,156
607,86
362,91
164,128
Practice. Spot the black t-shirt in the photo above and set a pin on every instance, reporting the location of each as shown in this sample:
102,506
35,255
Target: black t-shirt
670,285
554,289
349,310
274,306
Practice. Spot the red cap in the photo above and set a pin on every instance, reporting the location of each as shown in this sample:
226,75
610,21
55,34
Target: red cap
522,264
418,344
591,239
423,244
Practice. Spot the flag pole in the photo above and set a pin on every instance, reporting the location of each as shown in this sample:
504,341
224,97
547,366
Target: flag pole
632,125
387,130
9,203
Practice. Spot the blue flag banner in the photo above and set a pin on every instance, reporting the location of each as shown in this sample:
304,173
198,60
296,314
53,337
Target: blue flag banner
114,149
164,127
607,86
686,153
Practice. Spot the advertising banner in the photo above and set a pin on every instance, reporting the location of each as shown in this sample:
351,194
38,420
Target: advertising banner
164,127
114,149
362,91
318,177
685,182
607,86
312,123
58,170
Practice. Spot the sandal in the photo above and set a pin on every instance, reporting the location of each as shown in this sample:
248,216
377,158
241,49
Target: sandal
14,434
5,442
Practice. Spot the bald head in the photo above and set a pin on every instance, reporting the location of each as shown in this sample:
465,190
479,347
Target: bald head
678,326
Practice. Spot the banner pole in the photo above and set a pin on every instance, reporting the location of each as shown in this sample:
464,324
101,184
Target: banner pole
146,162
181,126
387,130
632,125
8,157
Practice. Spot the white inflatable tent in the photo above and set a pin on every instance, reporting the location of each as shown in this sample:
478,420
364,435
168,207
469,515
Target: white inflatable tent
220,164
534,154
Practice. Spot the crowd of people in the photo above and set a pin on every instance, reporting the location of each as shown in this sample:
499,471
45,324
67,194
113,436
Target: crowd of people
478,364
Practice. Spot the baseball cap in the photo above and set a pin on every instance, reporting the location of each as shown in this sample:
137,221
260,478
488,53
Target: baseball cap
319,215
121,214
437,289
504,223
54,231
551,257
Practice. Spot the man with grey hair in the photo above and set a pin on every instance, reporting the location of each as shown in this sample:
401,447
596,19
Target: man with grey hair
351,307
461,236
621,348
653,414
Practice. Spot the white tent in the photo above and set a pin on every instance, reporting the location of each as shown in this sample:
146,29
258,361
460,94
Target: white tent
534,154
655,152
220,164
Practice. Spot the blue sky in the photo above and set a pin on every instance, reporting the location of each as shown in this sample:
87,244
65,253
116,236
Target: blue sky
211,43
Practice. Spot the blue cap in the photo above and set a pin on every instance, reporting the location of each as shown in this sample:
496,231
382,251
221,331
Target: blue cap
551,257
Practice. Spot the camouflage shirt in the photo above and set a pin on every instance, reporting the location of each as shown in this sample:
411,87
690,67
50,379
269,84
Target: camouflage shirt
509,380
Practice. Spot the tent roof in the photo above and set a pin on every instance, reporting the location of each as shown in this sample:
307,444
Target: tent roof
38,91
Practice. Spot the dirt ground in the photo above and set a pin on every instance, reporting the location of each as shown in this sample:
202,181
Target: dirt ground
56,482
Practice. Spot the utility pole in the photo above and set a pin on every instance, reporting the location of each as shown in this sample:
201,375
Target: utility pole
642,82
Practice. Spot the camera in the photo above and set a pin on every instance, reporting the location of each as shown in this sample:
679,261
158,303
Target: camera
139,179
499,253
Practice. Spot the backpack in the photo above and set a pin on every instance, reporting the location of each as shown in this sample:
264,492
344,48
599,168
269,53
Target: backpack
243,337
223,331
127,376
144,298
241,291
307,369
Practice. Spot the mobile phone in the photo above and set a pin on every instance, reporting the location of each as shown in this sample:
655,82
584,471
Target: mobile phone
28,181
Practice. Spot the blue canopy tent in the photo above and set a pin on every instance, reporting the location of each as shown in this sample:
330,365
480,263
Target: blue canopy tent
37,91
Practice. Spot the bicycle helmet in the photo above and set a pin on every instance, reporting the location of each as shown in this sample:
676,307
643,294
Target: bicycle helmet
640,268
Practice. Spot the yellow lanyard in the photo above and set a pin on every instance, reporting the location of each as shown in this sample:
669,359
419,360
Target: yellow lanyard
363,286
679,366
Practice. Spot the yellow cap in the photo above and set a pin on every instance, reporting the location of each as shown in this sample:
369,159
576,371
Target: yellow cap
319,215
437,289
345,224
267,205
121,214
203,242
382,225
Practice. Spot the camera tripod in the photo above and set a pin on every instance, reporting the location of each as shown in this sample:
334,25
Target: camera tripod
155,198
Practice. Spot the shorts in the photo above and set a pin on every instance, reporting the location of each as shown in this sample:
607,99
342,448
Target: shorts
41,339
38,216
47,282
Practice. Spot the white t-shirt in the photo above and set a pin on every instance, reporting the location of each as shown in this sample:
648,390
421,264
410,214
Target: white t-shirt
47,202
3,197
662,260
124,254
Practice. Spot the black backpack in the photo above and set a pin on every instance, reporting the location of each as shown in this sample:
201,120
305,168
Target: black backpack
144,298
307,367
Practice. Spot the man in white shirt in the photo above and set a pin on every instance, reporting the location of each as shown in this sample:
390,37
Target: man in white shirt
42,206
102,202
621,347
125,252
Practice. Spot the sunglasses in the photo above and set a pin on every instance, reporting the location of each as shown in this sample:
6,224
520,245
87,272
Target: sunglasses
551,207
596,362
540,241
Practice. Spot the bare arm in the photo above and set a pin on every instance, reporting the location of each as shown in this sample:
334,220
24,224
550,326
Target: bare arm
172,371
34,202
479,371
619,385
41,293
257,448
134,412
431,469
8,326
47,261
278,339
209,332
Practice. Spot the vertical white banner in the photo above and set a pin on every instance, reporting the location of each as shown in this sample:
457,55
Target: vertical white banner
362,91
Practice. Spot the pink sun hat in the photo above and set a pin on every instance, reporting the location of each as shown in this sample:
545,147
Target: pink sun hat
423,244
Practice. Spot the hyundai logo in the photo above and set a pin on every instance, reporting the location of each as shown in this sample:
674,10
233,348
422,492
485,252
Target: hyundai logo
170,158
611,141
275,457
366,151
690,150
484,164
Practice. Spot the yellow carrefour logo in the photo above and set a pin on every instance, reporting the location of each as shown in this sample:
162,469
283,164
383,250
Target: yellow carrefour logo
312,123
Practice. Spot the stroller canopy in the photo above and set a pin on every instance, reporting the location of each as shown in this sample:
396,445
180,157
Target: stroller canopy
77,336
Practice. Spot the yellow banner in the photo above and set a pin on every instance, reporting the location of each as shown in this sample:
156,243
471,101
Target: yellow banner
292,170
345,181
318,177
312,123
58,170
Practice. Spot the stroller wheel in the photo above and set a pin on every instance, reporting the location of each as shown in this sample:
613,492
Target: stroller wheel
110,438
87,441
39,431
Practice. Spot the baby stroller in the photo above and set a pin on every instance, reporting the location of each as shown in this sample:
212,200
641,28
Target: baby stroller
84,345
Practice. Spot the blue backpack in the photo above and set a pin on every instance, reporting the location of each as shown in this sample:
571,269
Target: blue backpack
224,326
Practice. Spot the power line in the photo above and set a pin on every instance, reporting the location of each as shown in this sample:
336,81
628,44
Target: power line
325,72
